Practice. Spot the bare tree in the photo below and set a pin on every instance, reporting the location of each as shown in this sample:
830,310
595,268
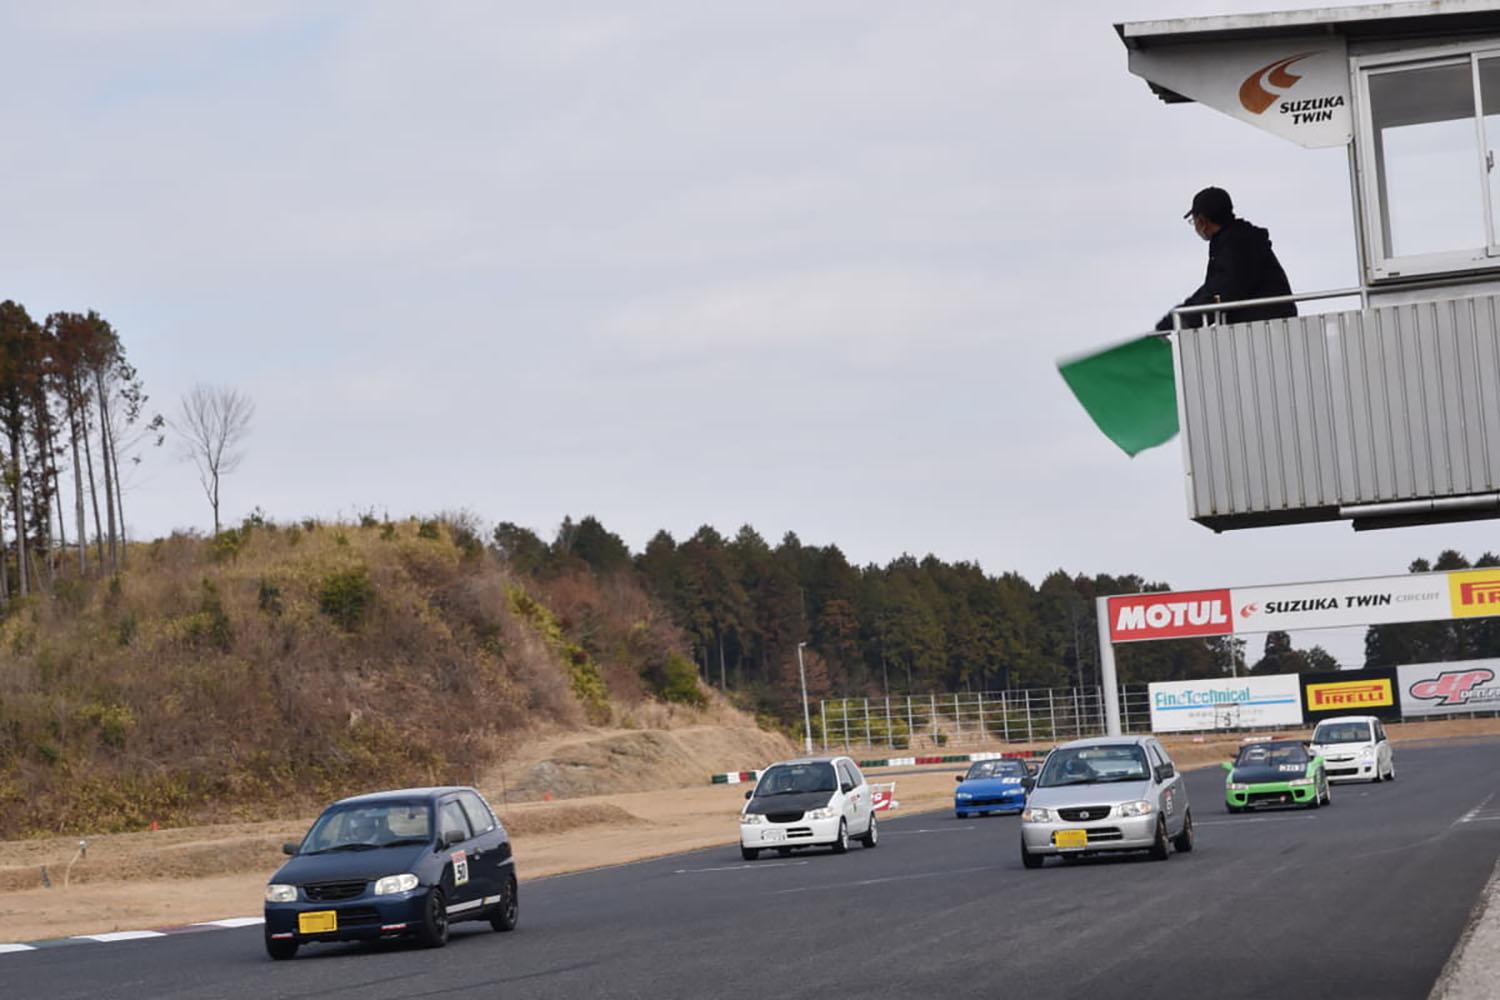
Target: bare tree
213,424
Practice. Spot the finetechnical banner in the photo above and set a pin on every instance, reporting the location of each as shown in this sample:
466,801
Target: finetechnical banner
1247,702
1383,600
1452,688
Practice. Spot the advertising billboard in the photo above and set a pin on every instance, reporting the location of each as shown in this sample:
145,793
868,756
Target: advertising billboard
1380,600
1226,703
1449,688
1351,692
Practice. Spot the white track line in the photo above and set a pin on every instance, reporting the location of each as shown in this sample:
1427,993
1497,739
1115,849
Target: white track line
6,949
119,936
233,922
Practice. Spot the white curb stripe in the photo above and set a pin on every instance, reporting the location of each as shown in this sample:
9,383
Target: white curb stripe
8,948
233,922
119,936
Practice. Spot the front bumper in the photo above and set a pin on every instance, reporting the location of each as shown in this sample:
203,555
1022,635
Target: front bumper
365,917
1275,793
802,833
989,803
1113,833
1350,770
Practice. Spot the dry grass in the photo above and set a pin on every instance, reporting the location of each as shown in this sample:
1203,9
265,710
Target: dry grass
210,681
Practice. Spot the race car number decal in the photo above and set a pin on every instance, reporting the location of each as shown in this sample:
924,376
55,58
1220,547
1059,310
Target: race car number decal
1168,802
460,868
1296,768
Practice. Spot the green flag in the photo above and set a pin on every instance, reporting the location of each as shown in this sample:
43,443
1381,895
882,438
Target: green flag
1128,390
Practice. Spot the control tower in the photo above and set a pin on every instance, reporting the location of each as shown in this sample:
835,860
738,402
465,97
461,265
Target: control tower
1389,413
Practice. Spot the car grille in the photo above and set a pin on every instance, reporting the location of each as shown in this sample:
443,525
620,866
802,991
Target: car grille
1081,813
358,916
1105,833
784,817
332,892
1269,798
799,831
971,803
1341,771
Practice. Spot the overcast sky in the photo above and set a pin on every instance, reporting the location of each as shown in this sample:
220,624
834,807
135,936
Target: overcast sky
803,265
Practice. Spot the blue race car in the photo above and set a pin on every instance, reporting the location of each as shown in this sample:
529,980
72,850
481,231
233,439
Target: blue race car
992,786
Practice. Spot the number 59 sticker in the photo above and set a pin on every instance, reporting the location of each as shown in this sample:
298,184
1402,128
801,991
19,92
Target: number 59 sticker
460,868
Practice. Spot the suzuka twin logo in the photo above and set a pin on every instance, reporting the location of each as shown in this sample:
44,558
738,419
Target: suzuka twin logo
1256,96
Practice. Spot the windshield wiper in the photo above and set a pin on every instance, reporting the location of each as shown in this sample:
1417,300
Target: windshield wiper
406,840
1123,777
348,847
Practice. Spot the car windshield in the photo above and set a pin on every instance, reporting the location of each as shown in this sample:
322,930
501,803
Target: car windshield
790,779
996,769
367,827
1342,732
1094,765
1292,756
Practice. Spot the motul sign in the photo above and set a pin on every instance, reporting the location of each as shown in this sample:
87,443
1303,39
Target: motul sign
1182,615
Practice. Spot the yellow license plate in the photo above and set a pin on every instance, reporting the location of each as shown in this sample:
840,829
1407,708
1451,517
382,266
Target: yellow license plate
318,922
1071,838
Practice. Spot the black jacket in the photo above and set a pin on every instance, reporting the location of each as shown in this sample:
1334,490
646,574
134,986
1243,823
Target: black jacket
1241,265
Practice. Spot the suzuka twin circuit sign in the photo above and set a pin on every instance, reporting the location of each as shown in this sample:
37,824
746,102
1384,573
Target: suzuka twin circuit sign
1416,597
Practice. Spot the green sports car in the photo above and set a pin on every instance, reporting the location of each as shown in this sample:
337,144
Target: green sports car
1275,773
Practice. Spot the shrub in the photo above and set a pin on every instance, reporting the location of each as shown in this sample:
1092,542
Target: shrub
387,532
428,530
210,625
114,722
125,629
679,682
583,674
228,543
346,596
270,598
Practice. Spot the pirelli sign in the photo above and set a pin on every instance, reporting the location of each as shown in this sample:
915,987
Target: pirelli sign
1351,692
1415,597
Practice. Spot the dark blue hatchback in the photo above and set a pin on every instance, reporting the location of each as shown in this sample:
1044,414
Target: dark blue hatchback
393,864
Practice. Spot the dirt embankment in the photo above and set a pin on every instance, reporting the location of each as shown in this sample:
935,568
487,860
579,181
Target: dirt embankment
137,880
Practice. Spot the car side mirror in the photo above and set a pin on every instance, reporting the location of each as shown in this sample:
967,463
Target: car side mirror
289,848
1164,772
958,778
749,792
1228,766
451,837
1028,783
1032,769
846,788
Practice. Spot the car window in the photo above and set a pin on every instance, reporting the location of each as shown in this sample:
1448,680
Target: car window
1279,756
1379,731
854,775
1094,765
366,826
1156,760
1342,732
451,817
996,769
790,779
481,820
1161,751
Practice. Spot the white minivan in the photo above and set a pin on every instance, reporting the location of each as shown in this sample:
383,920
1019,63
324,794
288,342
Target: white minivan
815,801
1354,748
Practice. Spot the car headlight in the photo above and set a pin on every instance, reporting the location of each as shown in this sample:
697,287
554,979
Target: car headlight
1236,786
752,819
1368,753
827,812
281,893
966,795
1140,807
393,884
1036,815
1300,782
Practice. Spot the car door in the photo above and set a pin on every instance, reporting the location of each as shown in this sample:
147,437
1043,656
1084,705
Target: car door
848,796
464,881
490,857
1383,752
864,797
1171,793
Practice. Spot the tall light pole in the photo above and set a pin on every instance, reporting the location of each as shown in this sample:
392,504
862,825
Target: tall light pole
806,713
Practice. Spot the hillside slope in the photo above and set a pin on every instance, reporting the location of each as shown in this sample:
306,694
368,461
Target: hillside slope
272,668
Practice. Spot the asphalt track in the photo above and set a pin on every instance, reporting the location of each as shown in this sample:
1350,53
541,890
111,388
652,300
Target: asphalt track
1364,899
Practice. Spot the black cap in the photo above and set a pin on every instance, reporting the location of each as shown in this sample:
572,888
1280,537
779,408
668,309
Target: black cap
1213,204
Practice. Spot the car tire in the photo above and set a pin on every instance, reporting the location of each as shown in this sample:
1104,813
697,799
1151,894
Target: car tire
959,815
1234,809
1390,774
1161,850
841,845
871,836
432,931
1183,842
280,950
1327,792
508,911
1030,860
749,853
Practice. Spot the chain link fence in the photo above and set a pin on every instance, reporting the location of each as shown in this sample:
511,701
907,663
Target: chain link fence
930,721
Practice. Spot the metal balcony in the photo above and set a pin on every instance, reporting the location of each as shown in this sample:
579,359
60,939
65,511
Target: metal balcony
1386,415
